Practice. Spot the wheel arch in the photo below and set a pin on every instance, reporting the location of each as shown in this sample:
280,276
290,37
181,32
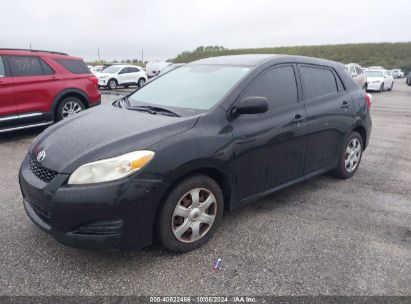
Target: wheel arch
72,92
361,130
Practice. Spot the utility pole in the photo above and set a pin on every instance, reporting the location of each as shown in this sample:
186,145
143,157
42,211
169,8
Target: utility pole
142,56
98,54
30,45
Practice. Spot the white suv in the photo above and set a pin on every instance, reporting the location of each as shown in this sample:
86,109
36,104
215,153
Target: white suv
124,75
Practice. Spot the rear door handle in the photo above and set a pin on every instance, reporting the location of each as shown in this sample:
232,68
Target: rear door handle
298,118
345,105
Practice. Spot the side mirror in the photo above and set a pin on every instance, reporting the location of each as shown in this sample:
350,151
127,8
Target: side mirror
250,105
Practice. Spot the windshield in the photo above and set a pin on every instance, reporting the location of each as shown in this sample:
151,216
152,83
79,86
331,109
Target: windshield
373,73
197,87
112,69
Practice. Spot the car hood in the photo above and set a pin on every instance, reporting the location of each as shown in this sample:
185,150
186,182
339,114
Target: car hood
103,132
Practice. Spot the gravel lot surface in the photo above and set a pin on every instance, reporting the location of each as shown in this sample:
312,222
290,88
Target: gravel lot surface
324,236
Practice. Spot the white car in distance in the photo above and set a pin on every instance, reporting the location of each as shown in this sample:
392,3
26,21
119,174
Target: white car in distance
379,80
124,75
357,73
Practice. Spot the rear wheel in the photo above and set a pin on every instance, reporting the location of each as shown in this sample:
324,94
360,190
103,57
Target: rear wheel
190,214
112,84
391,87
350,156
382,88
68,107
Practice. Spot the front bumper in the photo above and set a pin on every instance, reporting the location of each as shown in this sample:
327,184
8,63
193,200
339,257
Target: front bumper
374,86
117,215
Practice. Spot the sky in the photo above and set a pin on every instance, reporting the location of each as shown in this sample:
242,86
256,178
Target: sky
162,29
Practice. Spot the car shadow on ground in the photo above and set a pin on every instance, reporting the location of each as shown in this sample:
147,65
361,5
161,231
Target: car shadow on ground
20,135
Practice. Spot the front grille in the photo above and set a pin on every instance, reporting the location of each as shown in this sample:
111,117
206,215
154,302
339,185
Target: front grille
46,175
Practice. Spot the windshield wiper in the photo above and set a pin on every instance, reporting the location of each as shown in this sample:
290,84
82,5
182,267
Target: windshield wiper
153,110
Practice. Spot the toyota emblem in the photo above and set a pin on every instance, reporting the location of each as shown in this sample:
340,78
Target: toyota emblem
41,156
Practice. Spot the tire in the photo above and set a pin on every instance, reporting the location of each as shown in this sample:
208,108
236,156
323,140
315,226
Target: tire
351,153
141,82
365,88
112,84
391,87
175,232
69,106
382,88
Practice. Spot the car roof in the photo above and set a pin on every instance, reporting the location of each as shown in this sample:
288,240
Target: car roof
259,59
375,70
23,52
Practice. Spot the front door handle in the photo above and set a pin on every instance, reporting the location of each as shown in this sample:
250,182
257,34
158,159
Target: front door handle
54,78
298,118
345,105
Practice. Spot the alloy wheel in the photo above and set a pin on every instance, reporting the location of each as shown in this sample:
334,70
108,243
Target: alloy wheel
70,108
352,155
194,215
112,84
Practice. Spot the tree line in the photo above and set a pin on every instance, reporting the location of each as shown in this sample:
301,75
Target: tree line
388,55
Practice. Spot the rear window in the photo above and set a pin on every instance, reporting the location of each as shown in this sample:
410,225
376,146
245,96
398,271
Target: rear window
317,82
74,66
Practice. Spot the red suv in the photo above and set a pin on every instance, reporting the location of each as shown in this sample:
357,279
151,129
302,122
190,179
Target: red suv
38,88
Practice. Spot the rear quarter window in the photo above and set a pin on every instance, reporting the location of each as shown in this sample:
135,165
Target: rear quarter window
317,82
74,66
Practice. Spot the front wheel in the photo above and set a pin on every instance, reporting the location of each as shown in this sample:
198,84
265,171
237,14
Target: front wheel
112,84
391,87
190,214
141,82
350,156
382,88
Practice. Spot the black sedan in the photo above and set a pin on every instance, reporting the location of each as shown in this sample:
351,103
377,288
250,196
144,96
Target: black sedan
164,162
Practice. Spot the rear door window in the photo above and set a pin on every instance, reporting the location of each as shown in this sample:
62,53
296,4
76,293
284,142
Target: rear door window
74,66
359,70
317,81
278,85
25,66
2,69
134,70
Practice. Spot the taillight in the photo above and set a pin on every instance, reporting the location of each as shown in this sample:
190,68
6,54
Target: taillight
94,80
368,99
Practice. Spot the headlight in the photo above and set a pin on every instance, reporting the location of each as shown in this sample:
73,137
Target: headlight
110,169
